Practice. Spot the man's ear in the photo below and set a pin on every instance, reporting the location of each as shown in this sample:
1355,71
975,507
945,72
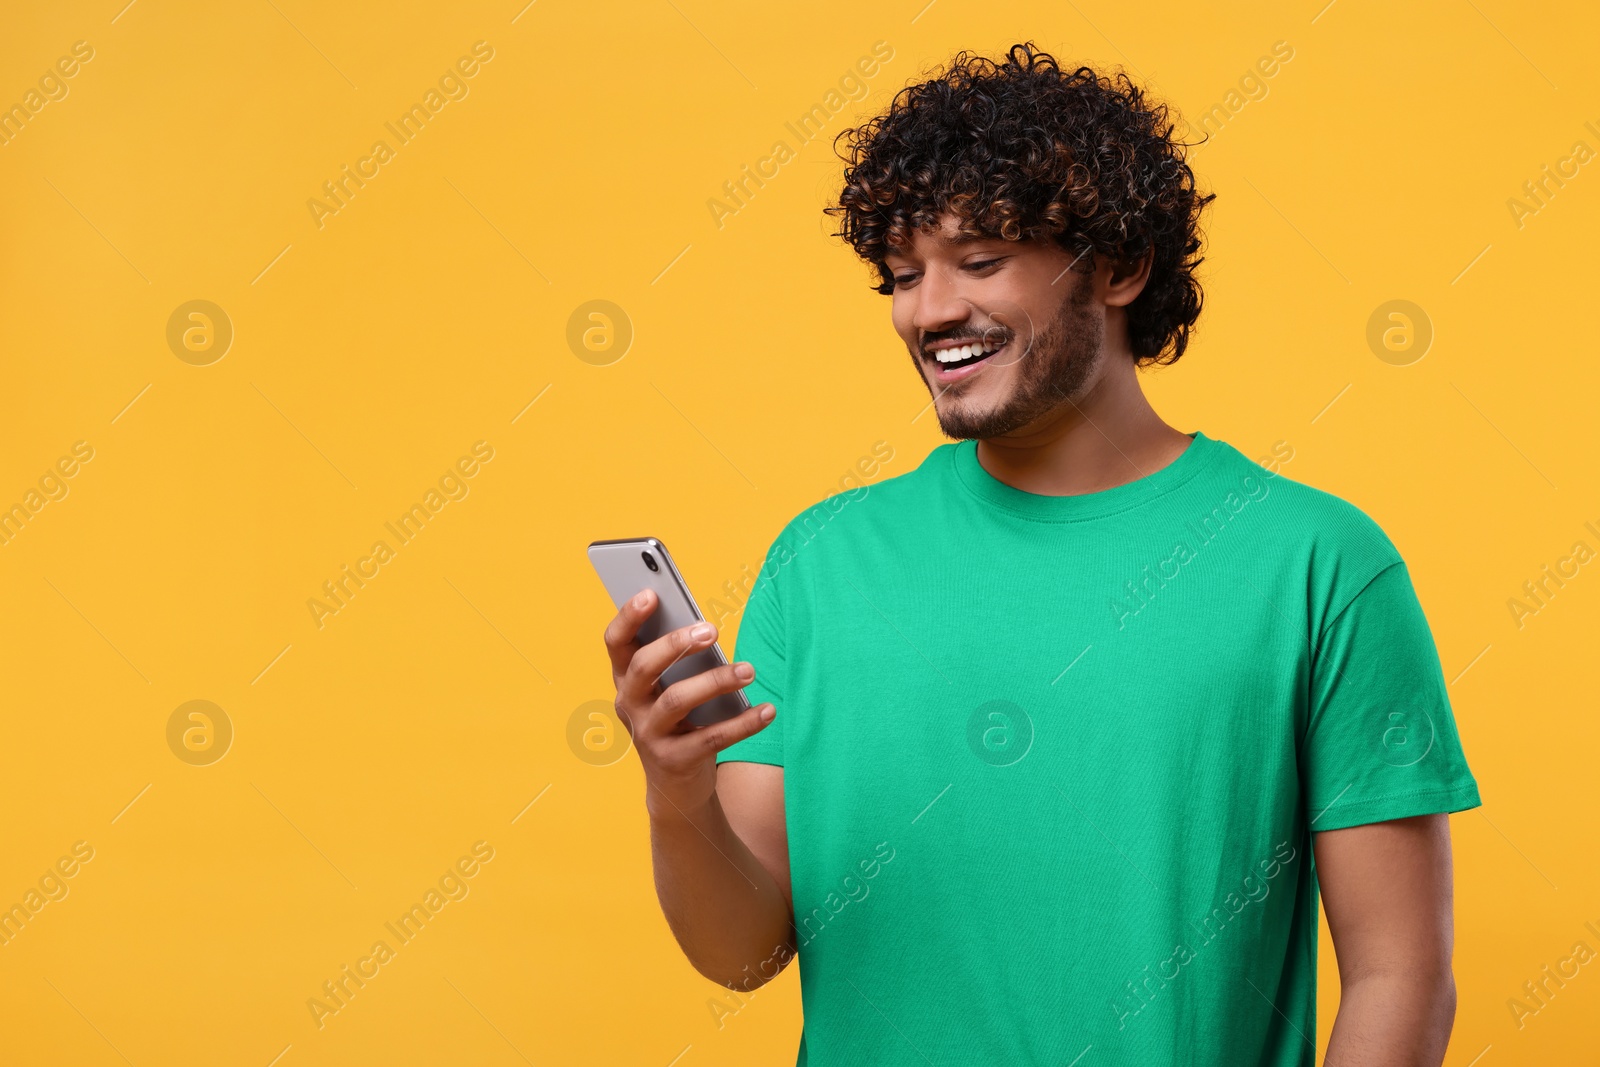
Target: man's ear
1127,280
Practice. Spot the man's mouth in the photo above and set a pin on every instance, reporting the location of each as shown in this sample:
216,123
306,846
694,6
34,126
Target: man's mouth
957,362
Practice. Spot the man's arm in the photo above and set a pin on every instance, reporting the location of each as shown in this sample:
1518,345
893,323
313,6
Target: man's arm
722,875
1387,890
727,901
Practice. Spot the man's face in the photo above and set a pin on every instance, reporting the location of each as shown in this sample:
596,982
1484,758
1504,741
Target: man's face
1024,303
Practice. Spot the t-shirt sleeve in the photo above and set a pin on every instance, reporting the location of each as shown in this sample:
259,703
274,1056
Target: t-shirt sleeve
1381,739
761,643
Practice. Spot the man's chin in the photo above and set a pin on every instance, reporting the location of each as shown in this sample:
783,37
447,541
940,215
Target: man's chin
963,420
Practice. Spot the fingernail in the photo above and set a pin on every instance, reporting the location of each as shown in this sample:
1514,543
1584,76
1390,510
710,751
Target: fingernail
744,671
703,632
640,598
768,712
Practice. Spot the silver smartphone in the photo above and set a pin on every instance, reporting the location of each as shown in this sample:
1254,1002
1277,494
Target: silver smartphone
634,563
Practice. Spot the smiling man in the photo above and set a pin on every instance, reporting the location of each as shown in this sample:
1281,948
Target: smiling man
1057,739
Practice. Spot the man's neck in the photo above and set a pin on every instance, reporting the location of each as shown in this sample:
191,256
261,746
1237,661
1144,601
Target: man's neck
1104,438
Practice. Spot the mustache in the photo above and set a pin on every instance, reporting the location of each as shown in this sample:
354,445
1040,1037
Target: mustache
995,335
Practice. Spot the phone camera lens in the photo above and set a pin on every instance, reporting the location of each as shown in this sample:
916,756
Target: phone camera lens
650,561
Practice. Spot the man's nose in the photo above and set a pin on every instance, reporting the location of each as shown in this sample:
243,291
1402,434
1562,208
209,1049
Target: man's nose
940,305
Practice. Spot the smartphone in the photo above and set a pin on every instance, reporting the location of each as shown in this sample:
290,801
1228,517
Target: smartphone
634,563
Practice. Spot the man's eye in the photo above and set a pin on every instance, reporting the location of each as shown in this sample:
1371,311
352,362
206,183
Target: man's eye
984,264
904,279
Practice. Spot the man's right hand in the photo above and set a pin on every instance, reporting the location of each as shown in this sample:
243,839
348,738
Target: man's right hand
680,760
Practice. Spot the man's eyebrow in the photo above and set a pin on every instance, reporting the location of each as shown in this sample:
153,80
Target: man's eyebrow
970,238
958,241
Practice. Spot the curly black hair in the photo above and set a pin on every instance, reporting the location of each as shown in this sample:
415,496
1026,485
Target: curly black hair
1019,149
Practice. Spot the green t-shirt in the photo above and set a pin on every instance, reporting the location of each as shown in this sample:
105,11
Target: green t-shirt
1052,763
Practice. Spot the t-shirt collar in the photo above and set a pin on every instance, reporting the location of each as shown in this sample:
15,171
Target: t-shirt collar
1079,506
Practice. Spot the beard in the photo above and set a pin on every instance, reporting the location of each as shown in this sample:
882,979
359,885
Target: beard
1052,370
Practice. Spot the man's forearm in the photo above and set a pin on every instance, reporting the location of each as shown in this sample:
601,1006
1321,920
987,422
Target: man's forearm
729,915
1393,1020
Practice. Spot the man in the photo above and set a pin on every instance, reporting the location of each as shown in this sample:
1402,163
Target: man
1073,721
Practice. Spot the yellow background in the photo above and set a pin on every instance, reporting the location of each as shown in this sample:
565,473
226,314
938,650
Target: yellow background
372,352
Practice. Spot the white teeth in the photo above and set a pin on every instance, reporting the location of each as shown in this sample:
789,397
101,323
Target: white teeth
956,355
